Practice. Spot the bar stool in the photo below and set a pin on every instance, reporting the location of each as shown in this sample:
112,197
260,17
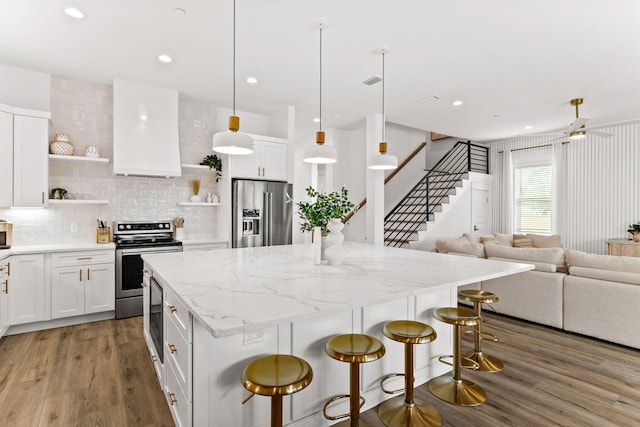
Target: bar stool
405,410
276,375
454,389
485,363
353,349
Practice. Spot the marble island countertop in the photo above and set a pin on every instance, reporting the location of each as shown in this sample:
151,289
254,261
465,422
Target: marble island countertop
233,290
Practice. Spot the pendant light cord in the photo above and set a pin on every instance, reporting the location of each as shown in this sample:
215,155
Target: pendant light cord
383,117
234,57
320,115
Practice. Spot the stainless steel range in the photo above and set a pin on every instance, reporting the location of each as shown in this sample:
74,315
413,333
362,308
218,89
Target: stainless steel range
132,239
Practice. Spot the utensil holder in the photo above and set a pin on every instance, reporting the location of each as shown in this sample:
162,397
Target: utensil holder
103,235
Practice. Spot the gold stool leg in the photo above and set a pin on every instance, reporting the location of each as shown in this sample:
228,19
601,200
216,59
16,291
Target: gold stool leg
485,362
404,411
354,400
454,389
276,410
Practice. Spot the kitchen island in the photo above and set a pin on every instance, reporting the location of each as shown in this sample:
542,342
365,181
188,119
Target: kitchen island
244,303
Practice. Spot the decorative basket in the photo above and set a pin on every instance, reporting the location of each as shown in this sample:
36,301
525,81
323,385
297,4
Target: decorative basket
62,148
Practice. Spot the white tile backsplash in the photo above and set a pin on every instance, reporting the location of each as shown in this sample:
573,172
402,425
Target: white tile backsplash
84,111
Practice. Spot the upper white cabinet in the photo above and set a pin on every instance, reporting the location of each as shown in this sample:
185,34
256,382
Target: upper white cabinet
145,130
24,166
27,289
269,160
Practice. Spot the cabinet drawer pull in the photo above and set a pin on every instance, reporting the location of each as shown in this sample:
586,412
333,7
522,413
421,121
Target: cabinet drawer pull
8,269
81,275
172,398
42,194
88,274
6,286
172,308
143,285
84,257
172,348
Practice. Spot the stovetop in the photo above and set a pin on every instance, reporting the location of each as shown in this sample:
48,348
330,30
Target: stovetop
129,234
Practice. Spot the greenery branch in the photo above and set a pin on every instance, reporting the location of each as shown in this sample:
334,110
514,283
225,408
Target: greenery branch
214,163
325,206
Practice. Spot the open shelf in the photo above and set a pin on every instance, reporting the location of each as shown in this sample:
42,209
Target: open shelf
194,166
197,204
77,202
79,158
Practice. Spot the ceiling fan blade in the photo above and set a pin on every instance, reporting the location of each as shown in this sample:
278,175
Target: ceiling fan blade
600,134
578,123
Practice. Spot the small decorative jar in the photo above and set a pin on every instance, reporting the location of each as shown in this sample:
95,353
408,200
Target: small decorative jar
61,146
92,151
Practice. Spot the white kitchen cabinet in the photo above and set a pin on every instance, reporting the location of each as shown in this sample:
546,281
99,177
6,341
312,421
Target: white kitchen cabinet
24,166
82,283
27,289
6,159
269,160
5,267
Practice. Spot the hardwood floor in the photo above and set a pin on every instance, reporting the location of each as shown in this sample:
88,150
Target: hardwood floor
99,374
551,378
96,374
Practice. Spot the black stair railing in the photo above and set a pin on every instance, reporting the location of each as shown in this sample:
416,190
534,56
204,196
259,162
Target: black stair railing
421,203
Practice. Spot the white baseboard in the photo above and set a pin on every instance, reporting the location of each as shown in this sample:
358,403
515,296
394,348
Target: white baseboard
58,323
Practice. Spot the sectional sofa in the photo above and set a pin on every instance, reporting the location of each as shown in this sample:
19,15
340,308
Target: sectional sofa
590,294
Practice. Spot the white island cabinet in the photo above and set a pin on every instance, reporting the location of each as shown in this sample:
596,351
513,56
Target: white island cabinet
248,302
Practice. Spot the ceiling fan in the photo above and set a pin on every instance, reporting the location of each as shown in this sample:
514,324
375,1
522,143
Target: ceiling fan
577,130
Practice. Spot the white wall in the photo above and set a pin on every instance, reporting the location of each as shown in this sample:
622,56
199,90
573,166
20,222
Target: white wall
603,185
84,111
31,93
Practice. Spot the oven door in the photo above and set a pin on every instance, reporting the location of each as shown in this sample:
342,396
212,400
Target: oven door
155,317
129,269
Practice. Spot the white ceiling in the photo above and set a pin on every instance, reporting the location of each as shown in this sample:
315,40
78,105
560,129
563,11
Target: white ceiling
512,63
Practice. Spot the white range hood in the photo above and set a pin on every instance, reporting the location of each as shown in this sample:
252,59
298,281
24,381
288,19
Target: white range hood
145,130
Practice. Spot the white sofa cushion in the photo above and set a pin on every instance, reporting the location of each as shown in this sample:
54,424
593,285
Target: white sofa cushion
461,245
542,255
603,262
609,275
542,241
540,266
504,239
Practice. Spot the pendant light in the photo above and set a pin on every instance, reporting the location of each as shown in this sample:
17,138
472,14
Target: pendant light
320,153
383,161
232,141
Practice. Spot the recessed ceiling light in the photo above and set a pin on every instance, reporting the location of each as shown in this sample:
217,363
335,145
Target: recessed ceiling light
74,13
457,103
179,11
528,127
165,58
316,120
252,80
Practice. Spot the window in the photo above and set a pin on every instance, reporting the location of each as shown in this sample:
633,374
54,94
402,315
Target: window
533,199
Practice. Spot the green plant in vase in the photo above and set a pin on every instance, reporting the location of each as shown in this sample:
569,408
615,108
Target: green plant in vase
325,206
214,163
634,229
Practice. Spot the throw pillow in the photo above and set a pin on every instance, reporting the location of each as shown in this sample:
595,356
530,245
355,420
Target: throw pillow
504,239
489,239
541,241
521,241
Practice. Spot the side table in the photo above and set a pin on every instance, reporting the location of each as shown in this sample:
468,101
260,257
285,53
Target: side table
623,247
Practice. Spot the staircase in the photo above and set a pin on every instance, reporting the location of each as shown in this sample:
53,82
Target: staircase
433,193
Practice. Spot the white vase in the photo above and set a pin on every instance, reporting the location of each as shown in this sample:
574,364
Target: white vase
196,198
334,251
316,241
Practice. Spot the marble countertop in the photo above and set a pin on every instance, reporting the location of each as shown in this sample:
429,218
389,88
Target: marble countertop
233,290
61,247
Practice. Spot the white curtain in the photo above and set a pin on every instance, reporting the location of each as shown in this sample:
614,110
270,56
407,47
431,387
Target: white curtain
506,196
559,180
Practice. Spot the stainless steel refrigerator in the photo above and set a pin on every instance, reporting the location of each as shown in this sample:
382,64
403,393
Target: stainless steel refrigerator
261,213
